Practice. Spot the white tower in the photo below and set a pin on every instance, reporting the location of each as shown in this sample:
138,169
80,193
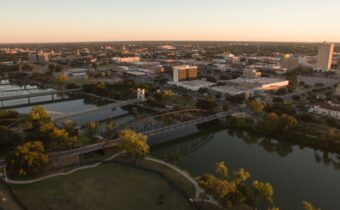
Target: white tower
140,94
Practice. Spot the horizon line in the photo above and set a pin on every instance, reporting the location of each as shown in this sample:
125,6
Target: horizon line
107,41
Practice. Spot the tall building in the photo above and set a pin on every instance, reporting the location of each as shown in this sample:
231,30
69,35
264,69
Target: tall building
181,73
32,58
325,56
289,62
40,58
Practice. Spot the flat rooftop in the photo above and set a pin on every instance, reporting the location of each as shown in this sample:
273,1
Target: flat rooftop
231,90
193,84
261,81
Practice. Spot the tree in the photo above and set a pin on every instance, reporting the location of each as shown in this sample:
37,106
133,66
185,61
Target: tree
58,68
293,81
9,139
256,106
219,188
230,192
221,170
308,206
91,129
278,100
134,144
287,122
38,116
61,79
263,195
51,67
29,158
207,103
270,122
57,138
110,126
168,95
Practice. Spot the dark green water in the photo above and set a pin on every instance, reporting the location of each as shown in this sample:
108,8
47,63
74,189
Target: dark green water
296,173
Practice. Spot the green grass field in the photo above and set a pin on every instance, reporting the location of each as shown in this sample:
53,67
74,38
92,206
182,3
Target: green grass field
108,186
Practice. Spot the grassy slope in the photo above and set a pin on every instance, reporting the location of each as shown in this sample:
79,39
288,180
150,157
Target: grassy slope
109,186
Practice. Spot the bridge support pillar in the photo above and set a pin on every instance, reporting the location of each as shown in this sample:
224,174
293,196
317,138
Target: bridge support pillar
29,100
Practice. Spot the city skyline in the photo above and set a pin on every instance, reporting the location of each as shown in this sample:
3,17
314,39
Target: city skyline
90,21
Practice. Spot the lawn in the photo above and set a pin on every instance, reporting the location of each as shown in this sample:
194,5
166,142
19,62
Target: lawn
108,186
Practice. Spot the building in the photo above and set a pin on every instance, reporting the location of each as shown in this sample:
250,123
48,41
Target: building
231,90
231,58
290,62
325,56
259,84
126,59
251,74
167,47
32,58
193,85
181,73
326,109
81,72
41,58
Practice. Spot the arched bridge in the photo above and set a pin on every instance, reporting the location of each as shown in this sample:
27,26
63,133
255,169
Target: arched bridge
150,126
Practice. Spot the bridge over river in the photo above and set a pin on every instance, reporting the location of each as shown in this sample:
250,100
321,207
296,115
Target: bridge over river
37,93
150,126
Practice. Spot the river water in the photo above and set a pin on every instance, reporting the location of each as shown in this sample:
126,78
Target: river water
296,173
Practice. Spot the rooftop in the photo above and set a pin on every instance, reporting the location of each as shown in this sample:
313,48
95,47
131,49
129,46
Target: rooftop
261,81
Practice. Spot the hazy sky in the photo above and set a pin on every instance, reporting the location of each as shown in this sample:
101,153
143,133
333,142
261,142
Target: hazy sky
124,20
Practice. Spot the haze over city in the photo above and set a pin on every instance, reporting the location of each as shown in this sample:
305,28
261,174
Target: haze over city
25,21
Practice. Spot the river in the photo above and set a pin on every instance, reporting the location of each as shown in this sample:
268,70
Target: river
296,173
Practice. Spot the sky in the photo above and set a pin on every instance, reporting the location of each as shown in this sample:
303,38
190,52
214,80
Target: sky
24,21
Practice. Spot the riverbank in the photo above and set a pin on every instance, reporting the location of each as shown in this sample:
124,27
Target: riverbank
302,134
